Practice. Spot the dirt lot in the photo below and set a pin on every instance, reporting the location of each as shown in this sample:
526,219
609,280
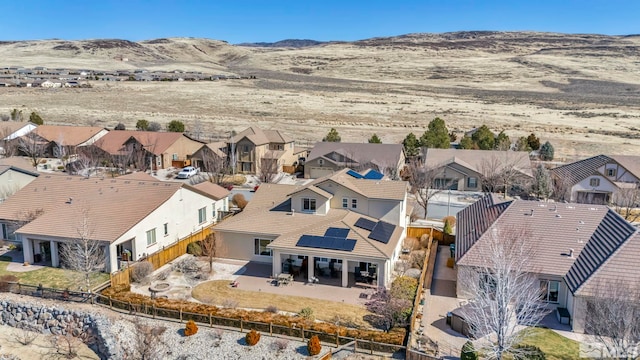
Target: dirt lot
582,93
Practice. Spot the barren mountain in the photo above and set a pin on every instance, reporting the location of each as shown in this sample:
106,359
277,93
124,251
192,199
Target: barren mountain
581,92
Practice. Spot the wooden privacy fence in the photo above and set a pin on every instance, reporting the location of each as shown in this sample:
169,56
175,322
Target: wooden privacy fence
162,257
443,239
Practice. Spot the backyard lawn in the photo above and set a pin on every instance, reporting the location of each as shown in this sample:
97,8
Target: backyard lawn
554,345
51,277
218,291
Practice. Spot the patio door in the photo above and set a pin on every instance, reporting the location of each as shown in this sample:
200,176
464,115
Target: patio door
45,250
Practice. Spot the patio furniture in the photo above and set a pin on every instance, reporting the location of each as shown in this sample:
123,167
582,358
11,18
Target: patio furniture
563,316
284,279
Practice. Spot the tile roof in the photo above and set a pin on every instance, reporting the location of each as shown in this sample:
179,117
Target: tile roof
217,147
260,137
5,168
67,135
476,159
372,189
580,170
19,162
382,155
213,190
9,127
154,141
114,205
594,234
629,162
138,176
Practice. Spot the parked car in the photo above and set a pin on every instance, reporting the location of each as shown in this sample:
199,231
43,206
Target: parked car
187,172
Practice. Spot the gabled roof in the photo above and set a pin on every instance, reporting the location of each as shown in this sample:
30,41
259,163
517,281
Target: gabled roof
372,189
213,190
9,127
629,162
67,135
5,168
382,155
156,142
477,160
314,189
260,137
593,234
114,205
217,147
18,161
577,171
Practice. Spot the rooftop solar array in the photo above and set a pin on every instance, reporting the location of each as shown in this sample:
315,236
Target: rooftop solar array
326,242
373,175
354,174
337,232
365,224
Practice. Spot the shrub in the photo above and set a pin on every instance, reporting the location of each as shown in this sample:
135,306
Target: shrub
404,287
187,265
163,275
468,352
271,309
6,281
449,219
313,345
280,344
191,328
306,313
194,249
529,352
252,337
239,201
424,241
141,271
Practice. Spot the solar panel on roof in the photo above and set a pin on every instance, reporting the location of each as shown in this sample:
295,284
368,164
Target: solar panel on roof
373,175
337,232
354,174
382,232
326,242
366,224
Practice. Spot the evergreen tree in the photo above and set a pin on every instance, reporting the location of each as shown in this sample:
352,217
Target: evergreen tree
533,141
35,118
175,126
411,145
546,151
468,352
484,138
503,142
522,144
120,126
436,136
142,125
542,184
467,143
332,136
375,139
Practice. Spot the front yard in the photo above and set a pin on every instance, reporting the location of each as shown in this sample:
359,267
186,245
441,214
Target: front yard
51,277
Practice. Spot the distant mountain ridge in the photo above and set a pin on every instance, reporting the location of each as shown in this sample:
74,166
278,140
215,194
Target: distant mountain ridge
290,43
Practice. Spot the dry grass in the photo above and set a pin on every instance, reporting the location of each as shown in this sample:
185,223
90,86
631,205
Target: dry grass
51,277
218,291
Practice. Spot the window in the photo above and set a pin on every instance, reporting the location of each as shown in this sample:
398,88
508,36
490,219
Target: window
202,215
308,204
174,157
5,231
354,203
594,182
260,247
611,172
549,290
345,202
320,162
166,229
472,182
151,237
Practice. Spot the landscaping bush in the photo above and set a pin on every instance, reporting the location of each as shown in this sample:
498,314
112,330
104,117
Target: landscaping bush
404,287
6,281
252,337
529,352
163,275
449,219
141,270
468,352
306,313
447,228
191,328
187,265
194,249
271,309
280,344
313,345
239,201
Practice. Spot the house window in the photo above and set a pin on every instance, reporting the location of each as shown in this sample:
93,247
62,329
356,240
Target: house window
354,203
611,172
151,237
594,182
549,290
174,157
4,231
245,148
166,229
320,162
260,247
345,202
308,204
202,215
472,182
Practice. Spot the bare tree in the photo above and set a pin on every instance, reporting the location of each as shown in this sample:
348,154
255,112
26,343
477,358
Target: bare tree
625,202
83,254
268,167
504,292
562,188
31,147
209,247
425,182
503,172
147,342
213,165
7,144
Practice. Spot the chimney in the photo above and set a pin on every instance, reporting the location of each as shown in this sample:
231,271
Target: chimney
571,253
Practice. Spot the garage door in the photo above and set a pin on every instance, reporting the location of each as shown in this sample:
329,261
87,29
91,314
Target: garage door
318,172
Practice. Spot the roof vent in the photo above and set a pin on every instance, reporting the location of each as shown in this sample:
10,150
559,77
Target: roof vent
571,253
70,201
558,215
530,213
555,208
581,222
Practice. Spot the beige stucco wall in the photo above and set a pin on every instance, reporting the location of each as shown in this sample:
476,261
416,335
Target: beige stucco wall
11,181
240,246
183,147
322,205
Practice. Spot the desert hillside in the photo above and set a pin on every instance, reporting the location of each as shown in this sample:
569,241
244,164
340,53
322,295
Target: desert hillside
581,92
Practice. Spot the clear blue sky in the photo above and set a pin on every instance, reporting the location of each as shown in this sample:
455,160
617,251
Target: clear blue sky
270,20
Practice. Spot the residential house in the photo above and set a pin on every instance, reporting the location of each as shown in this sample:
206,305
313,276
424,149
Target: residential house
464,169
136,218
328,157
60,140
51,83
9,132
336,227
596,179
211,157
160,149
12,179
255,150
575,248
